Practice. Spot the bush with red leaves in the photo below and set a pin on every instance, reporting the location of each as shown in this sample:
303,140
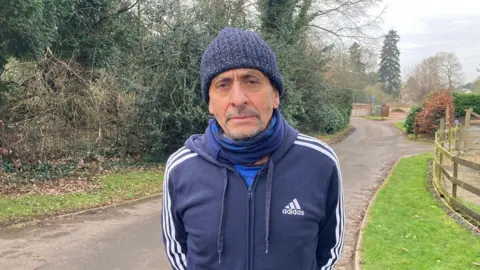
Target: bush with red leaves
427,121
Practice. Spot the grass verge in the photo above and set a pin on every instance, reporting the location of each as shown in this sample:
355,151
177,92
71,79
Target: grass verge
113,188
336,137
472,206
418,138
400,126
421,138
376,118
408,229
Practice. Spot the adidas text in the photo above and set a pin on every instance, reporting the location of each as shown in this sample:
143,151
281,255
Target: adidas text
293,212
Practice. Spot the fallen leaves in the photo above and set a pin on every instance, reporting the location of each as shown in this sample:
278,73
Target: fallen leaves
54,187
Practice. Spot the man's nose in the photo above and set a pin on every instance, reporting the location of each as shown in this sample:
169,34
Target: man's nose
238,97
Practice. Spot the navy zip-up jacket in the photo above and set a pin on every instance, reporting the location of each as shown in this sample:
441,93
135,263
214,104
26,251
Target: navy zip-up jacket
292,218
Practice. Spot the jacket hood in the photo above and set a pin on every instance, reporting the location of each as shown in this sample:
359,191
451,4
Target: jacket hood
198,144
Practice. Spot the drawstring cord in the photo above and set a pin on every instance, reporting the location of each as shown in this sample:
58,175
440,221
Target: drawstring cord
268,200
220,229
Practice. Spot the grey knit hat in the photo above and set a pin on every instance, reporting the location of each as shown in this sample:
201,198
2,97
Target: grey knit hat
235,48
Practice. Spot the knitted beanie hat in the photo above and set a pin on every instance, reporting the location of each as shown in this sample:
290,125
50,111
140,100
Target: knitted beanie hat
235,48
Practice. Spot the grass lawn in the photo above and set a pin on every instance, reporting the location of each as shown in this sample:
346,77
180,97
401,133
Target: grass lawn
471,206
377,118
408,229
333,138
400,126
113,188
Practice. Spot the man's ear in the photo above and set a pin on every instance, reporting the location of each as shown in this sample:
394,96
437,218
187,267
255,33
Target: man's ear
276,98
210,107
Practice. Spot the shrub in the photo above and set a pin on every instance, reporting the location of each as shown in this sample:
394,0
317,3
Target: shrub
346,113
333,119
464,101
410,120
342,99
434,109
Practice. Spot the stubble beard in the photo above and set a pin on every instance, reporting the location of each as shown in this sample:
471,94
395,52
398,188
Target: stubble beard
244,135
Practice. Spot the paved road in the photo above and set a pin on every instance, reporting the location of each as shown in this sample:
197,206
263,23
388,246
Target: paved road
130,238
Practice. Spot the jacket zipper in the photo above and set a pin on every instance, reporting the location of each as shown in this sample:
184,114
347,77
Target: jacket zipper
249,235
251,226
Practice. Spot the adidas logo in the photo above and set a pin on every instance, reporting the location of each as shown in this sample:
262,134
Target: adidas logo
293,208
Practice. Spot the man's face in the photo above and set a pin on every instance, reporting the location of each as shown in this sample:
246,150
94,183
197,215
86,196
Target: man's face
242,101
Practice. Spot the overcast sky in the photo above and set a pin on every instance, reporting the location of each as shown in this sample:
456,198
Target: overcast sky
429,26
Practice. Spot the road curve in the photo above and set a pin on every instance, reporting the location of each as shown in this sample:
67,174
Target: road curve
130,237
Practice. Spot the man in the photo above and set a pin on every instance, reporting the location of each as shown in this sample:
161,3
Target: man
251,192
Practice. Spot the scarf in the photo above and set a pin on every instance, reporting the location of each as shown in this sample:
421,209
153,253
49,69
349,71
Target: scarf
245,151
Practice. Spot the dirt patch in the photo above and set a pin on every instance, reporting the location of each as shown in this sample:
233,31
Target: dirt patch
55,187
394,117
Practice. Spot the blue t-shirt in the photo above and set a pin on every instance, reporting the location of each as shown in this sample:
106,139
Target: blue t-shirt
248,173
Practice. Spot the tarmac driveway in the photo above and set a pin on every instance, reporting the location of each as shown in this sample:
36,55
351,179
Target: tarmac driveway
129,237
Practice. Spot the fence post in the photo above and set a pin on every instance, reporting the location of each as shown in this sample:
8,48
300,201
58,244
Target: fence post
440,159
435,154
467,127
448,129
455,166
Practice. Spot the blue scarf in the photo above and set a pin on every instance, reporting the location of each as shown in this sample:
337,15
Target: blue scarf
247,151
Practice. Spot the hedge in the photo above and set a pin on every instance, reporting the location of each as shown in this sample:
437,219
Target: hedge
464,101
342,98
409,123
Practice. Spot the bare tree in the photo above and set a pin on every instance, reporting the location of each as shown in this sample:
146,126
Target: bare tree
346,19
425,78
440,71
451,69
340,19
338,73
411,90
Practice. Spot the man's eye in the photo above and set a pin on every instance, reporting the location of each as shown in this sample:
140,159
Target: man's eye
222,85
252,81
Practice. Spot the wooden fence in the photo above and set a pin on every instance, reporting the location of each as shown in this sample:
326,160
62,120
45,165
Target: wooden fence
448,145
471,142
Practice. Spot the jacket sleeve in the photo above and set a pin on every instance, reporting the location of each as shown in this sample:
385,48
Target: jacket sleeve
174,235
331,233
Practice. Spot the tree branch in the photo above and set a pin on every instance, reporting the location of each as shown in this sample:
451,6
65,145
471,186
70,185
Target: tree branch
346,14
338,36
125,9
118,12
338,8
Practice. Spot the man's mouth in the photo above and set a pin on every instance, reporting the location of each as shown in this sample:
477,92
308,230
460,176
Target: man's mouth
242,117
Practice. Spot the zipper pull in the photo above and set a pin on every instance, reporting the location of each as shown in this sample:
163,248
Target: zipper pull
250,193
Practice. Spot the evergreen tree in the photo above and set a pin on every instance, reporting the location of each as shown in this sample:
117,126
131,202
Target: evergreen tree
358,67
390,65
